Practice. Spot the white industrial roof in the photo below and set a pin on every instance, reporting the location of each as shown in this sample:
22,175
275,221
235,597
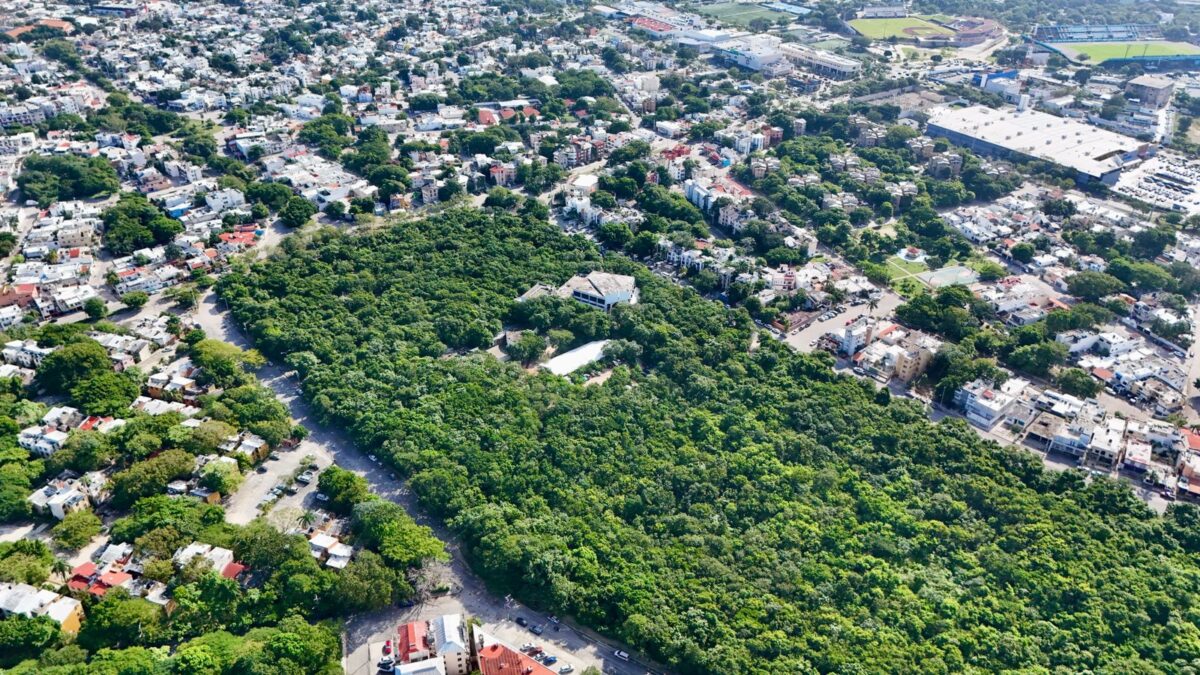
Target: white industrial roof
568,362
1064,141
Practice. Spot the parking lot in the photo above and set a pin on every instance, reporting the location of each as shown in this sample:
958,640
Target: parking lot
805,339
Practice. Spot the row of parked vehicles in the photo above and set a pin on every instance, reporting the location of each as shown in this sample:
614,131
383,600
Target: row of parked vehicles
538,654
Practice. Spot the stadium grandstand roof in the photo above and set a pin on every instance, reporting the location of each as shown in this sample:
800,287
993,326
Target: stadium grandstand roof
1096,32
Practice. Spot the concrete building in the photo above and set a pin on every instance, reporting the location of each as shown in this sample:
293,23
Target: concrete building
821,62
29,601
601,290
984,404
1151,90
450,641
1094,154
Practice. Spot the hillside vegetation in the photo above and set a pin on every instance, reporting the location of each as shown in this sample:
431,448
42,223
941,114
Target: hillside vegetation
727,510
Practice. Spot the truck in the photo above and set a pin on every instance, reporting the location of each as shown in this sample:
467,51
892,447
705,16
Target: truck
383,654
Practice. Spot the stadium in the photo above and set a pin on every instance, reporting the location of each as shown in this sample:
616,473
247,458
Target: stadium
927,31
1116,45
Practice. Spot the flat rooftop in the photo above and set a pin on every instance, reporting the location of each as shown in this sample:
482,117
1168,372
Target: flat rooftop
569,362
1060,140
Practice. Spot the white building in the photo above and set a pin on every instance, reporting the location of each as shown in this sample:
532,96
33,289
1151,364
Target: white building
601,290
450,642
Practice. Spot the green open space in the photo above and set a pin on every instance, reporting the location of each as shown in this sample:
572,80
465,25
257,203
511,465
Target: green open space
910,27
899,267
740,14
1099,52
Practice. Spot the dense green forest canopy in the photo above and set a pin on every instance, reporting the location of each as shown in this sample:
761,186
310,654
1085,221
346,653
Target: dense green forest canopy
727,509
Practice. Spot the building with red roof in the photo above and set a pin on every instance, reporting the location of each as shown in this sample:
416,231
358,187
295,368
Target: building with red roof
109,580
81,576
412,642
233,570
498,659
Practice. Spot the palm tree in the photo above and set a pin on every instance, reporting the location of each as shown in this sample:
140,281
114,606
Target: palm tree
872,303
61,568
307,519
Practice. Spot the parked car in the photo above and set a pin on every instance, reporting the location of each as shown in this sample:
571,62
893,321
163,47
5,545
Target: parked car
537,630
563,670
550,660
260,469
521,621
305,478
322,497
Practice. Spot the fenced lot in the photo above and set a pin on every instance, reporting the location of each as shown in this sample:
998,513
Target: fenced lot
1099,52
910,27
740,14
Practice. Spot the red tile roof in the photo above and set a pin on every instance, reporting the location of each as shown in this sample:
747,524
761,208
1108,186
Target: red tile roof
1193,440
243,238
87,569
115,578
497,659
232,570
411,640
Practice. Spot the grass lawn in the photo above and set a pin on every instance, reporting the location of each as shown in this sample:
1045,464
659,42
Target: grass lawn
1193,133
908,288
1099,52
740,14
907,27
905,267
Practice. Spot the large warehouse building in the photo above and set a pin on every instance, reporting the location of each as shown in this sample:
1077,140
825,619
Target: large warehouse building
1095,154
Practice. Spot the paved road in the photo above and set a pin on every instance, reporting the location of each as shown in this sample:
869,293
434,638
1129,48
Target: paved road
571,645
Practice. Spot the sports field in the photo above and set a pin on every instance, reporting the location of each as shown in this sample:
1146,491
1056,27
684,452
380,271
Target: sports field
1099,52
909,27
740,14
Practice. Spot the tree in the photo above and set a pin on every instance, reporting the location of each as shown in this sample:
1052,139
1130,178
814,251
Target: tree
222,477
527,348
1023,252
344,489
1092,286
134,223
26,638
1077,382
119,621
50,178
296,212
95,308
224,364
367,584
106,393
65,368
135,299
76,529
208,436
1038,359
387,528
150,477
335,210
